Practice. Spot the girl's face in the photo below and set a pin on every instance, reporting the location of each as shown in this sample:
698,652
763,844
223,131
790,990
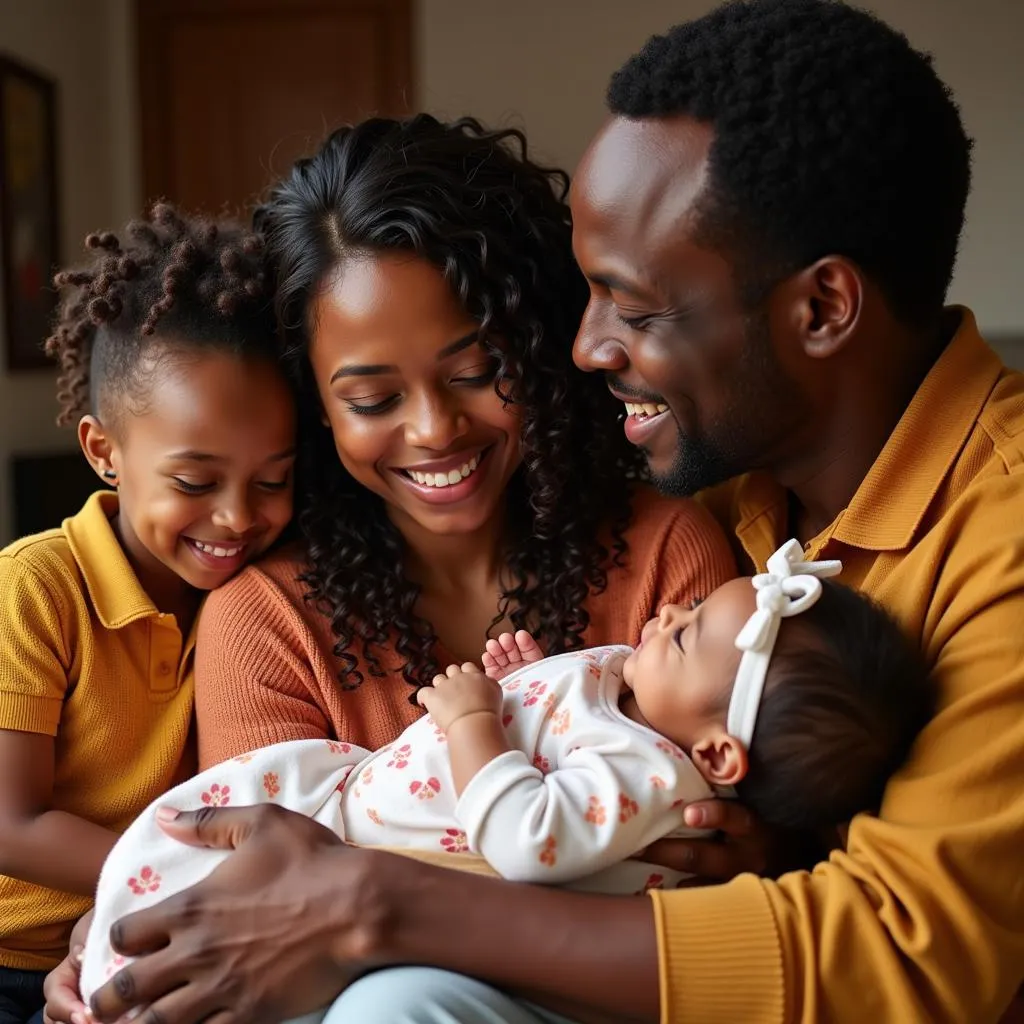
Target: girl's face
408,392
203,464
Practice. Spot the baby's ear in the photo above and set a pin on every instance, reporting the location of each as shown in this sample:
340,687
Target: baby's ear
720,758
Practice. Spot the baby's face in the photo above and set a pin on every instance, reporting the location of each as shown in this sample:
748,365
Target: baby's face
682,673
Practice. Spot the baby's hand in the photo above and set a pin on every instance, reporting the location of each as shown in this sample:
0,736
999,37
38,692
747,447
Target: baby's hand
461,691
509,652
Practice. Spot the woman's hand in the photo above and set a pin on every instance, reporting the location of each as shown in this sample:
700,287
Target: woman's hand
63,1000
743,845
257,941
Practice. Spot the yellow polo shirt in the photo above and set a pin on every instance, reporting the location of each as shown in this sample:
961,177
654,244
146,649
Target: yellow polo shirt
87,658
922,917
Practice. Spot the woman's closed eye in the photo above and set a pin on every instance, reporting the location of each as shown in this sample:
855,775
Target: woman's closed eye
371,405
477,375
274,485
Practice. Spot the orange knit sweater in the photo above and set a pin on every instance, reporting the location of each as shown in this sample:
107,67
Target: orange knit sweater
265,672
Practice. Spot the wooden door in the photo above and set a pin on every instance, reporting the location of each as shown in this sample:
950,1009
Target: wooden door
233,91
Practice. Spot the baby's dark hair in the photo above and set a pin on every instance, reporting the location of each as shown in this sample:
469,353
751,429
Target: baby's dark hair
845,697
202,283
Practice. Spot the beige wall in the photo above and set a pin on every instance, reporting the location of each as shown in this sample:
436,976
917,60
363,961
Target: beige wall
545,63
82,43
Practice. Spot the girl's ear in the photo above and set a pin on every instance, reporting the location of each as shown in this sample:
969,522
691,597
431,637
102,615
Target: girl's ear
100,449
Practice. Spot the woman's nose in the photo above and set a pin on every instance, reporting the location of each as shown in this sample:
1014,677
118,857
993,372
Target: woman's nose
435,423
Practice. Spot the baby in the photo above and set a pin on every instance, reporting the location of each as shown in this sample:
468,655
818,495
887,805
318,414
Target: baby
799,697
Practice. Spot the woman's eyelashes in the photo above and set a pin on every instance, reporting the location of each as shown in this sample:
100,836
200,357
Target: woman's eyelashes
476,376
364,408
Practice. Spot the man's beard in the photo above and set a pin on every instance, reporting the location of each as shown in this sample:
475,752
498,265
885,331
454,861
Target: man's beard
764,405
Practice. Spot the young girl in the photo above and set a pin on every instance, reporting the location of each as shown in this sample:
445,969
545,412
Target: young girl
166,345
802,695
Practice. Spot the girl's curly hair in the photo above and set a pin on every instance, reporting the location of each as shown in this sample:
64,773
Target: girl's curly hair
203,284
470,202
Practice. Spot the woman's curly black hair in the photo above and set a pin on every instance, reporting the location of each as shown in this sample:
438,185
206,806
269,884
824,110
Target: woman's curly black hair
832,136
202,283
470,202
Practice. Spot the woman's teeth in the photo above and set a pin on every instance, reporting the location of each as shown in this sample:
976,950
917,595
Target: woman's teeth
645,409
453,476
217,551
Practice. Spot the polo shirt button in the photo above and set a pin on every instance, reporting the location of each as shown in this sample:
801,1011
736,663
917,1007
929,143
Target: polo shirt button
163,669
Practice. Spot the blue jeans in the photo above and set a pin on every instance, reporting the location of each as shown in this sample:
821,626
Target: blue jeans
426,995
21,996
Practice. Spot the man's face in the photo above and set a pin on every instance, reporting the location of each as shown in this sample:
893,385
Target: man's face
706,394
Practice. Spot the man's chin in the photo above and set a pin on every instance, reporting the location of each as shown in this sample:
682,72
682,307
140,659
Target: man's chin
688,473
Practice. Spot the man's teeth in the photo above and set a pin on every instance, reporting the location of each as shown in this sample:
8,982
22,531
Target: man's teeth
217,551
645,409
453,476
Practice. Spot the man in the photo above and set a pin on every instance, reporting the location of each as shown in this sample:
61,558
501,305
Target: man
769,222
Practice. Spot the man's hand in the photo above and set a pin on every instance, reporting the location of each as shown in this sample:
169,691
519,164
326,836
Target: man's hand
743,845
274,932
461,691
508,653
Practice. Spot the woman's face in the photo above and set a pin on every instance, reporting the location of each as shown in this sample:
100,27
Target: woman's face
408,392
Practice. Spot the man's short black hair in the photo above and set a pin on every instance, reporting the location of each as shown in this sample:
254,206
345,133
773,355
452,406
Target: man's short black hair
845,697
832,136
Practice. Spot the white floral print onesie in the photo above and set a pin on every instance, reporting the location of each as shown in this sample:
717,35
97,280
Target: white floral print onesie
584,789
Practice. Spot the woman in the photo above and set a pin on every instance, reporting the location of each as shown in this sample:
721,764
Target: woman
459,476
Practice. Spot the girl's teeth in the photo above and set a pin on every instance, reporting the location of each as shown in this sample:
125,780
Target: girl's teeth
218,552
453,476
644,409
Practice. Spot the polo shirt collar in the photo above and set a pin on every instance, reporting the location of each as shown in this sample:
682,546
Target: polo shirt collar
890,504
114,588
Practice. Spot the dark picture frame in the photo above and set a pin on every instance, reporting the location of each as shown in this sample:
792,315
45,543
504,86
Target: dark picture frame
29,210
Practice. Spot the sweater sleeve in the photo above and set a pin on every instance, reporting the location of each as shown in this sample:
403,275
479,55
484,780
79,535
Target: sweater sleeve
920,918
255,677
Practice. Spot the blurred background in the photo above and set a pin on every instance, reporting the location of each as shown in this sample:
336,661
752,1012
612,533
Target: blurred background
107,103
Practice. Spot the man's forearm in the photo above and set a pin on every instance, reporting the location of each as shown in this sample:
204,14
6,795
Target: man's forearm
552,946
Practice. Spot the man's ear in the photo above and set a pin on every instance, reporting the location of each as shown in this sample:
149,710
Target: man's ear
826,299
100,449
720,758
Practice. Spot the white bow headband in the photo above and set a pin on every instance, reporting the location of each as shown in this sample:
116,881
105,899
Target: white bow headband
788,588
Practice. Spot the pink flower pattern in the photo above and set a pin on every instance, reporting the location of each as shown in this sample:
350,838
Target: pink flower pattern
147,880
425,790
534,692
400,757
454,841
217,796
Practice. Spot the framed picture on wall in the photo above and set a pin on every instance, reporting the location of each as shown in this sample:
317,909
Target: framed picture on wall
29,230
